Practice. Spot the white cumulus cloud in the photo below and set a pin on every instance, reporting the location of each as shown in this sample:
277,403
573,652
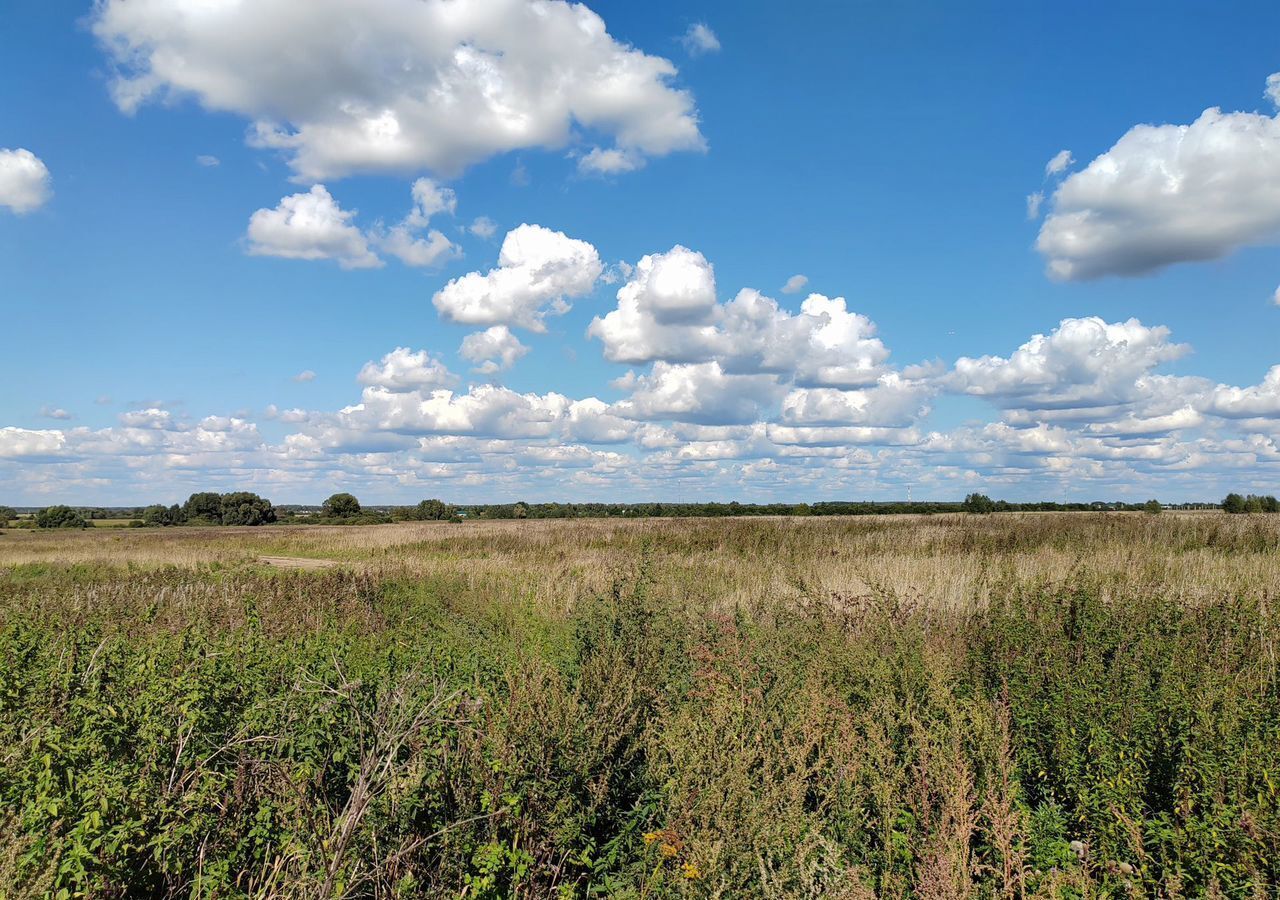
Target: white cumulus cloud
538,270
311,226
1167,194
25,182
405,370
405,240
493,350
668,311
398,85
16,443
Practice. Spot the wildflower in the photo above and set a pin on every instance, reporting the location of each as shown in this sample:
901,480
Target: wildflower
668,850
650,837
692,872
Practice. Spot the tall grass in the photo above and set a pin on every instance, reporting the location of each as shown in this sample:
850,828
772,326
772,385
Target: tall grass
1038,706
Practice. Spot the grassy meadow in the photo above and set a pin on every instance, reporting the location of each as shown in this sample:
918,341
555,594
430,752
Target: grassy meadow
1007,706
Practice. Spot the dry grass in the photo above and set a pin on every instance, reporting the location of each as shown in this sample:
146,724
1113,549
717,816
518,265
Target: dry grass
1013,706
949,560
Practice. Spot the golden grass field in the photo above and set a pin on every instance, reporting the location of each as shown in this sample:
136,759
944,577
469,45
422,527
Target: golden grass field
949,707
949,560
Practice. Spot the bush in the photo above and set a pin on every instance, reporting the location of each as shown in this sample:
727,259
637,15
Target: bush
60,517
980,504
204,507
244,508
341,506
428,511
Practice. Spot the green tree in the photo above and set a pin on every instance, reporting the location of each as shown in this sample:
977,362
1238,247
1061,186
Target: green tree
156,515
341,506
1152,507
7,515
1233,503
431,511
60,517
244,508
203,507
979,503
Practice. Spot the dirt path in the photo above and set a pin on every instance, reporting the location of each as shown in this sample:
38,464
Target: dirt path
297,562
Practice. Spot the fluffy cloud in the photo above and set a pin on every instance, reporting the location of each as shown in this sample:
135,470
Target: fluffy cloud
1166,194
405,240
1083,363
399,85
483,227
1259,401
485,410
1061,161
405,370
668,311
702,393
305,376
310,226
612,161
314,226
795,284
152,418
700,39
55,412
24,181
493,350
538,269
894,402
16,443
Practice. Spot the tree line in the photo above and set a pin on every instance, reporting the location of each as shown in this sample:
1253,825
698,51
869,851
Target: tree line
1250,503
247,508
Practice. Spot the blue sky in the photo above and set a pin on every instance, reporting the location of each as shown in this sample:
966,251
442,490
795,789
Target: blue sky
159,308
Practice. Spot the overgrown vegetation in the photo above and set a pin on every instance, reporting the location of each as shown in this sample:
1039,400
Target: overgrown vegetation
697,709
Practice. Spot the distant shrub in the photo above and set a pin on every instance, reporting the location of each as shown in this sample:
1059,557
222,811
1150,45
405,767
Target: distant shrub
60,517
341,506
244,508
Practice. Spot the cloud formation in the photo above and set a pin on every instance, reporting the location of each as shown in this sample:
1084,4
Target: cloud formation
25,182
744,397
538,271
1167,194
407,242
425,85
700,39
311,226
795,284
493,350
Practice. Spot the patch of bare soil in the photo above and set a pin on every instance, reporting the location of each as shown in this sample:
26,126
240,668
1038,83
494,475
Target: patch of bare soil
297,562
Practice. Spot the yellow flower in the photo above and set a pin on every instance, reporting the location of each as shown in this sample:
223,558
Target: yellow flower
650,837
669,850
691,872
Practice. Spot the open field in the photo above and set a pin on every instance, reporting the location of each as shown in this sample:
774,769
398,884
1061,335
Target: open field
1040,705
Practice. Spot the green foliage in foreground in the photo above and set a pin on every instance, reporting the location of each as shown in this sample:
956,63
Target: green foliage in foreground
325,734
